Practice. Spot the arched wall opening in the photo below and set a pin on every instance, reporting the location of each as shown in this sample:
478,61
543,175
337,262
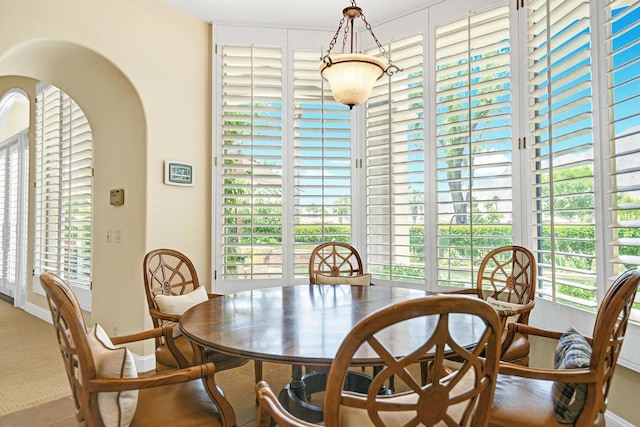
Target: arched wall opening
117,119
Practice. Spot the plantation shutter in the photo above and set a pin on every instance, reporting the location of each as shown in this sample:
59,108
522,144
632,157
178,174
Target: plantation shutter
251,162
13,181
322,162
623,44
474,142
395,165
562,148
64,188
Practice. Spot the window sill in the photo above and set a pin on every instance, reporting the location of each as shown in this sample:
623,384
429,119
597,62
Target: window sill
82,294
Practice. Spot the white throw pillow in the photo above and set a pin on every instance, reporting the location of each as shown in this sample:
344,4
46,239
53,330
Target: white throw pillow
363,279
178,304
116,408
504,305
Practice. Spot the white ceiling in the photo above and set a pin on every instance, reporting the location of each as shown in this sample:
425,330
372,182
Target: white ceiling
295,14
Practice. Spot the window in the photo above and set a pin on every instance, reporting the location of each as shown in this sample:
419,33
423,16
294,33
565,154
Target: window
64,191
561,130
395,165
322,162
473,142
623,93
506,126
251,162
13,195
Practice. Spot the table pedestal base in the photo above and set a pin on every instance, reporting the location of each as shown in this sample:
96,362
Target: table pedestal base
295,396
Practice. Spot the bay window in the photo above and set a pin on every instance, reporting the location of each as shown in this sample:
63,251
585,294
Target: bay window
508,125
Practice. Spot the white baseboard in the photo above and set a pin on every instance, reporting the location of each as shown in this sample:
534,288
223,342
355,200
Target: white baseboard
615,421
38,312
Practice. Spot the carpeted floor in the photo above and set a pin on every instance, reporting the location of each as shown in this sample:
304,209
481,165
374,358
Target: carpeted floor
32,369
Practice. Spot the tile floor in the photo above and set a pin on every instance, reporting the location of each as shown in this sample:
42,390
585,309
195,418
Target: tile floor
238,384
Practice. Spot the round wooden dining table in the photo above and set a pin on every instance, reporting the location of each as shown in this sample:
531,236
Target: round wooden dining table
303,325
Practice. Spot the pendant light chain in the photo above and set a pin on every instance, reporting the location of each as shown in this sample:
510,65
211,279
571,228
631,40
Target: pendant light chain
352,75
391,68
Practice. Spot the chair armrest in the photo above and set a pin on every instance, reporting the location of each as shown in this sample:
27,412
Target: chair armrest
165,331
470,291
516,311
270,407
158,379
141,336
526,330
164,316
582,375
212,296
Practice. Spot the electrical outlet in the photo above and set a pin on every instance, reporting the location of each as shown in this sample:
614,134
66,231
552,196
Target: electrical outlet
114,331
117,235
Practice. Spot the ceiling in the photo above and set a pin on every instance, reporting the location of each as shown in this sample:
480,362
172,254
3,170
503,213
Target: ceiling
295,14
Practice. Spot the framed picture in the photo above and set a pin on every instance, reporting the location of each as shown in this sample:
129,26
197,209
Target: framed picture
179,173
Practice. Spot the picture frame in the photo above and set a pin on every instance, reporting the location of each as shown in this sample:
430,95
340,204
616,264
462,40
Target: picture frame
179,173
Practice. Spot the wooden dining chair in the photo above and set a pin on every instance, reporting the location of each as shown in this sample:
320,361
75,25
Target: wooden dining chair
337,263
507,280
454,397
332,261
575,392
105,385
171,286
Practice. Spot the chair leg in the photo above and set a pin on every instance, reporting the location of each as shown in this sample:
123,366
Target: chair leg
257,367
424,370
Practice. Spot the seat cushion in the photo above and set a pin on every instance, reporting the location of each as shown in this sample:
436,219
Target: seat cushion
183,404
525,402
504,305
518,351
358,417
116,408
362,279
572,352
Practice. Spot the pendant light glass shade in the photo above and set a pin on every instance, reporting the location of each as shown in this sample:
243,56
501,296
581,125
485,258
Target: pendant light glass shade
351,76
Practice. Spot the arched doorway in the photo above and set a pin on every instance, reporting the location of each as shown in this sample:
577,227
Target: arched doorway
14,172
116,116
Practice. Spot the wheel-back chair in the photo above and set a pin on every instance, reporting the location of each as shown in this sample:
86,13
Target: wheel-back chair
457,397
169,274
104,382
575,393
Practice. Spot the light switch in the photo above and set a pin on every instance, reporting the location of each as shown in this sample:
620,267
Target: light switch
116,197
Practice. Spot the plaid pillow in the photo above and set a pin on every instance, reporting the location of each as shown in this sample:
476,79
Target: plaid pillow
573,351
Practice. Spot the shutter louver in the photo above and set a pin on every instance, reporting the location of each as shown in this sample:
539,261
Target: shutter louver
64,190
473,131
322,162
563,158
623,43
252,162
395,165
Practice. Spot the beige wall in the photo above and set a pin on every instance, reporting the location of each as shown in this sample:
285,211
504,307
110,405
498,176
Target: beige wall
14,119
140,71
